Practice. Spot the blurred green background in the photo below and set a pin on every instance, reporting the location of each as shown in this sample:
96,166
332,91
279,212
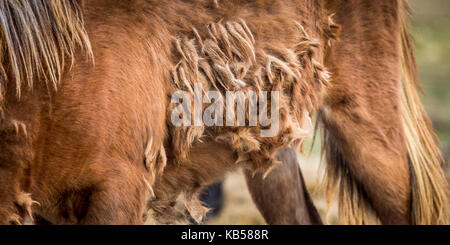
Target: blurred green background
431,31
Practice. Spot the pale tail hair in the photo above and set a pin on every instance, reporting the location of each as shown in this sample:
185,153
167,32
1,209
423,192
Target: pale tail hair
430,204
36,39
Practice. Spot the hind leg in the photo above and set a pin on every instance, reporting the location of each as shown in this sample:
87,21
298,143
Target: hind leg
380,169
365,138
362,112
282,197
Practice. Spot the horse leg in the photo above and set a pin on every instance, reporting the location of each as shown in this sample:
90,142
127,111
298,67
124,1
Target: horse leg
8,192
14,154
362,116
359,155
282,197
40,221
118,202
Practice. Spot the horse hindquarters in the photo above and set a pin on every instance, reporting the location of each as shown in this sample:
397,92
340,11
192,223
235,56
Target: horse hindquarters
363,141
367,138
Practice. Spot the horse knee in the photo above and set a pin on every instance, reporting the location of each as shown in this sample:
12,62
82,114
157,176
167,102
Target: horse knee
118,204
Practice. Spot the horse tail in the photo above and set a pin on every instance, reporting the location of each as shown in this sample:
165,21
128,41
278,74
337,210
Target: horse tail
428,183
354,208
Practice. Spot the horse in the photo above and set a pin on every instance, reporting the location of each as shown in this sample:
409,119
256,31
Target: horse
86,86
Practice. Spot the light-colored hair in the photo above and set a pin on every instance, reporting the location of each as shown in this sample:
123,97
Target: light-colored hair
430,204
36,38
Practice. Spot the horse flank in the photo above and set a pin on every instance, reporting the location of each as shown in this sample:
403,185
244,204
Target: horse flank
36,38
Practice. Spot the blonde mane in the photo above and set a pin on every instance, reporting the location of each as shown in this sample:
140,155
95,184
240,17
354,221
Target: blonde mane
36,38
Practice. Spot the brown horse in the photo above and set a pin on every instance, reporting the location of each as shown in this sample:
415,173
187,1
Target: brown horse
92,143
379,142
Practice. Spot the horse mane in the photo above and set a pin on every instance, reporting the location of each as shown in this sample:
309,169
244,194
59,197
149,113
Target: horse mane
36,38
